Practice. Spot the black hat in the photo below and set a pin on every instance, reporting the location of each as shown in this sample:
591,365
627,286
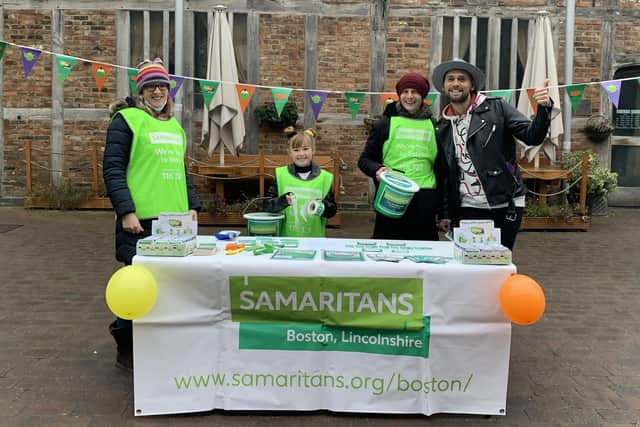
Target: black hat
437,78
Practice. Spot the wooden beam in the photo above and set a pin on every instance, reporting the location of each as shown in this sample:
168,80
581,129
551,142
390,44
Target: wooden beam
123,49
377,55
2,117
253,76
310,66
186,90
57,100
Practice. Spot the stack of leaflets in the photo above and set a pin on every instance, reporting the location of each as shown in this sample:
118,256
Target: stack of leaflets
478,242
172,234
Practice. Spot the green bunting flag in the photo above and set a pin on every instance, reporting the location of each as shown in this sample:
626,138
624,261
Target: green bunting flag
3,49
208,88
65,65
132,73
354,101
504,94
430,99
280,97
575,93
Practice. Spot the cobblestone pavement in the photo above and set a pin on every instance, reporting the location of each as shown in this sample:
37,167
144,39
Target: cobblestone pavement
578,366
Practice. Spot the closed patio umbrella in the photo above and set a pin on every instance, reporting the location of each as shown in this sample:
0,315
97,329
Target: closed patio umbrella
223,121
541,65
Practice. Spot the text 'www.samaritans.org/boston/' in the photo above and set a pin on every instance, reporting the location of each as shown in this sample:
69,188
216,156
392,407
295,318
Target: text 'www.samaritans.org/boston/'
394,383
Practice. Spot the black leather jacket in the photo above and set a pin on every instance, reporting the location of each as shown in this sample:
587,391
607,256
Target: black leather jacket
491,146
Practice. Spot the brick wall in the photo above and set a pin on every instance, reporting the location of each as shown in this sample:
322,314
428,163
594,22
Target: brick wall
87,35
343,65
586,58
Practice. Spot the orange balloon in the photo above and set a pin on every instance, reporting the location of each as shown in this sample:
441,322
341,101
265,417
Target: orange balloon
522,299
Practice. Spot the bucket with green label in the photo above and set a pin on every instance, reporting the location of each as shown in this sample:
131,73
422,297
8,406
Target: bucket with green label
394,194
263,223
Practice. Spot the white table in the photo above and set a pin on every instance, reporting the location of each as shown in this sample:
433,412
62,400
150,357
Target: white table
247,332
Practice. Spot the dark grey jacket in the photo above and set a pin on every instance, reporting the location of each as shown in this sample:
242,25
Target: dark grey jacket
492,148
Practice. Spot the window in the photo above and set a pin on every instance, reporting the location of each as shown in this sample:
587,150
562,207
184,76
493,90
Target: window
625,159
478,51
156,29
627,116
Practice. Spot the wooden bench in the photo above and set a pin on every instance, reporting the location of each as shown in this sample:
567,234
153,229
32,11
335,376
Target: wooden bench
256,166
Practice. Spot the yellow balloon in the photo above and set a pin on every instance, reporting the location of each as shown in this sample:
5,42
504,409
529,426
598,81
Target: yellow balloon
131,292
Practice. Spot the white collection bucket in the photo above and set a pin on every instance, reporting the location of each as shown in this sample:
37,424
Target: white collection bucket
263,223
394,194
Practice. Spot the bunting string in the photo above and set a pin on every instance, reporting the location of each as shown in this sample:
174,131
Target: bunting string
317,97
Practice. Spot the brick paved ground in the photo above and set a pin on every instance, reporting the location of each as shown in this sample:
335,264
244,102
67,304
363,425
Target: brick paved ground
579,366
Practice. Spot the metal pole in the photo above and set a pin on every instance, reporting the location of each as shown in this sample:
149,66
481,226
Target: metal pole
178,52
568,74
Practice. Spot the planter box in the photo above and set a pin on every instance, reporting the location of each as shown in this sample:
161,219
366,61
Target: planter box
553,223
92,203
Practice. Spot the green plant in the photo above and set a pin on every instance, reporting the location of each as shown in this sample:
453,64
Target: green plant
63,196
534,208
267,114
600,180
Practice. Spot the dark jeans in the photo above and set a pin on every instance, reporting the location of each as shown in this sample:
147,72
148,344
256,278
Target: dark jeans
417,223
508,229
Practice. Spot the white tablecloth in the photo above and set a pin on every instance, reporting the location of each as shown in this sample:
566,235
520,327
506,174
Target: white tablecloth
247,332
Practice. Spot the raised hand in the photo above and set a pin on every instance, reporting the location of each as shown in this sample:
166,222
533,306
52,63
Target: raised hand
541,94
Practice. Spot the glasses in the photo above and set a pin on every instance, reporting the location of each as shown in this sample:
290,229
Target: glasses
153,86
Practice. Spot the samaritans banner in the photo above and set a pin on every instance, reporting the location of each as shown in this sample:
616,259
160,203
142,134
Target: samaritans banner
383,303
253,332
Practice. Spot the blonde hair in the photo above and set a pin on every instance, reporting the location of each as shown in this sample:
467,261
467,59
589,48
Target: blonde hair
300,139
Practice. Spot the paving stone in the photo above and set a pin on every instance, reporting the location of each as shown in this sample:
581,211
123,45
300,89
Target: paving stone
578,365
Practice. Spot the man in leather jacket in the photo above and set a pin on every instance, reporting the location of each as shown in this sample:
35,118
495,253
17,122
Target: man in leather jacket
477,134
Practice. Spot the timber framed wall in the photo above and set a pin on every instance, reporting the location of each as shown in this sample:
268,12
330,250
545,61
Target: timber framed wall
336,45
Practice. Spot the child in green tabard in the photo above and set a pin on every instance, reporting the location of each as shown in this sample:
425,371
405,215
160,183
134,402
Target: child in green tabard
302,190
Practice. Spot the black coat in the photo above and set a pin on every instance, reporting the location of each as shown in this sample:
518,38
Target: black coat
371,157
492,148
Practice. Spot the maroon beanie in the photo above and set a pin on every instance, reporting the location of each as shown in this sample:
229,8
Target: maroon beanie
413,81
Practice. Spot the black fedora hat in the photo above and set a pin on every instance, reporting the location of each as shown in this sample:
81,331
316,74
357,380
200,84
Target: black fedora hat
437,78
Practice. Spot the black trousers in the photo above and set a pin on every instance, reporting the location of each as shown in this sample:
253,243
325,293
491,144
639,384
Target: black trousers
417,223
508,229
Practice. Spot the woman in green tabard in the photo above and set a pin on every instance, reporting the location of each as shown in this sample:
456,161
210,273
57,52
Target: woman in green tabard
302,190
144,173
404,140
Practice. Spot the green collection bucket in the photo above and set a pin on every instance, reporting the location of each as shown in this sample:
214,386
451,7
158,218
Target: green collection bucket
263,223
394,194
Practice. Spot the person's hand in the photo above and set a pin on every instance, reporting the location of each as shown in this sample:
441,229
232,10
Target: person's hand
289,199
131,224
194,214
541,94
381,170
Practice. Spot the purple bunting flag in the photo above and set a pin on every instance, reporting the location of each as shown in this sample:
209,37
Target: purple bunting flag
29,58
612,87
174,86
316,99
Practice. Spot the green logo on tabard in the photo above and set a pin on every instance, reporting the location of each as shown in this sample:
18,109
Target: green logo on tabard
361,302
